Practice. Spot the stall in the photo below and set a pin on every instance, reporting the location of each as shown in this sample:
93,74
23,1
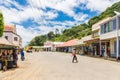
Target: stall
6,50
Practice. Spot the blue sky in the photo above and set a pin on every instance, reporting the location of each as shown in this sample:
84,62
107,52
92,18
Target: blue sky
37,17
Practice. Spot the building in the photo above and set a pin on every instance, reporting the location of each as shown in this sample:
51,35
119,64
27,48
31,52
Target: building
51,46
67,46
11,35
109,37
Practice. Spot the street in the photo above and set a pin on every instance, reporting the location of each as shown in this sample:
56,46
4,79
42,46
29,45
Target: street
59,66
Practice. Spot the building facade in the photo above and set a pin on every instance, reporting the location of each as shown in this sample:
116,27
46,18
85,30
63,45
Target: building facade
11,35
110,37
51,46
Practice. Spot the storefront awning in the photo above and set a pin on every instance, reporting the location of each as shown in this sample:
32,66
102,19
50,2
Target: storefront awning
91,40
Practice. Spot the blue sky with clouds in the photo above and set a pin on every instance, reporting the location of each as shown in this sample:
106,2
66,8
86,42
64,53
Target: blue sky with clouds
37,17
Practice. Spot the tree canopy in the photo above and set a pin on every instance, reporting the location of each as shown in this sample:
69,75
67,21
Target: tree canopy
1,24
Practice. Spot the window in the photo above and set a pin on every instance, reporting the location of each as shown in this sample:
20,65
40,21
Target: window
6,37
101,29
95,34
110,26
107,27
15,39
114,24
119,22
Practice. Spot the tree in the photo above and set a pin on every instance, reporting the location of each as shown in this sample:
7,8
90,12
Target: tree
57,32
1,24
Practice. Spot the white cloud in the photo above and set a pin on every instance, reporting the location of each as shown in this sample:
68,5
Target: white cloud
66,6
99,5
80,17
26,34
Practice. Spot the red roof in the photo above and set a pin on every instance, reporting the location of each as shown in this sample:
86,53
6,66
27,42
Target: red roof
69,43
9,28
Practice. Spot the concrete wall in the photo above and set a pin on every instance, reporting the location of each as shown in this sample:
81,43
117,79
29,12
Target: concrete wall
108,35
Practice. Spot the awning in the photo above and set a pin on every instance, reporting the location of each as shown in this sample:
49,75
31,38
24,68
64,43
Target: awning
92,40
3,41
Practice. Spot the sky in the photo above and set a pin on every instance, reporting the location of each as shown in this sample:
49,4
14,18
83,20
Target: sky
38,17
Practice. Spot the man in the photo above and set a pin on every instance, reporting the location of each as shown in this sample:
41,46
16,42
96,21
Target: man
22,55
15,58
74,56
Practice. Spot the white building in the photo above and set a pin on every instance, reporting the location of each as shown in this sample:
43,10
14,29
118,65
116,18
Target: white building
11,35
110,36
51,46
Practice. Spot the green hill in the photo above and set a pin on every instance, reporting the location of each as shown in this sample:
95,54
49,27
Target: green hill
75,31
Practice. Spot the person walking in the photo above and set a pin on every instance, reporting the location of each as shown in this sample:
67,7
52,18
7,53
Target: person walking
74,56
22,55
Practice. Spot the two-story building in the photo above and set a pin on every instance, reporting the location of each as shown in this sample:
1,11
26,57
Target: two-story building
11,35
109,35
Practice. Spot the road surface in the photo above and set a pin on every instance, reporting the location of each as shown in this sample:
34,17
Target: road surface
59,66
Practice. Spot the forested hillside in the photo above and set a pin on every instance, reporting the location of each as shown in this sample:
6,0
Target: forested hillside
78,31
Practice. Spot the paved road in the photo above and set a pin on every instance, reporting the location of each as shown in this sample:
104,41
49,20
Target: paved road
58,66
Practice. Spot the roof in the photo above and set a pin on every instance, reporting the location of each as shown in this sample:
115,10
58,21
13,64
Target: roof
10,28
69,43
3,41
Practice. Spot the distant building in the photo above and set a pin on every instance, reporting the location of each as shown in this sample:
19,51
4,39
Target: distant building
11,35
51,46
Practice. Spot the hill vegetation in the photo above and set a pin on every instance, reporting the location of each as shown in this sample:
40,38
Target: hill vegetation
1,24
78,31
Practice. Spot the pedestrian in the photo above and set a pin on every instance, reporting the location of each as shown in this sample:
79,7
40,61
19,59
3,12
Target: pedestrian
15,58
74,56
4,61
22,55
102,51
0,61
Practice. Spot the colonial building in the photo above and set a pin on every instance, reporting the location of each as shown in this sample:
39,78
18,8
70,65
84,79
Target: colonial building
110,36
11,35
51,46
67,46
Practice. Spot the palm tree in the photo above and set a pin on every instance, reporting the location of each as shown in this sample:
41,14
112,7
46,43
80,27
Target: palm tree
56,31
1,24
